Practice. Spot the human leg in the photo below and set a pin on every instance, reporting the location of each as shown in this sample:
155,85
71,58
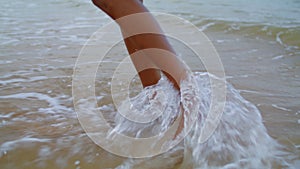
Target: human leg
174,69
121,8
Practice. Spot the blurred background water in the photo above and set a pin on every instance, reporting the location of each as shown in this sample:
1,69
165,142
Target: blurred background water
258,42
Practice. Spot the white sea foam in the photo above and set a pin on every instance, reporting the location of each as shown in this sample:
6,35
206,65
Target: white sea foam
55,104
20,80
240,140
9,145
161,98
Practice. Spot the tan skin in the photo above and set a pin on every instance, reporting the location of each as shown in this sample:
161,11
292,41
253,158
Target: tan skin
120,8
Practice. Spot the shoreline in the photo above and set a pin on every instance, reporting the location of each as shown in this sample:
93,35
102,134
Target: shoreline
36,84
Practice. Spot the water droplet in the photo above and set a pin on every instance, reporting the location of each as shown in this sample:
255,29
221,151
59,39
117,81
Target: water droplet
77,162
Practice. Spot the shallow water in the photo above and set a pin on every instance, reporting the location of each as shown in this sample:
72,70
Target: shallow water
239,141
258,44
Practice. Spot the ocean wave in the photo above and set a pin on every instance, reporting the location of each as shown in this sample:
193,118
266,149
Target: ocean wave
286,36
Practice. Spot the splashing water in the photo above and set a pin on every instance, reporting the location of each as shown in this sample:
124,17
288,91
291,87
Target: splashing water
240,140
